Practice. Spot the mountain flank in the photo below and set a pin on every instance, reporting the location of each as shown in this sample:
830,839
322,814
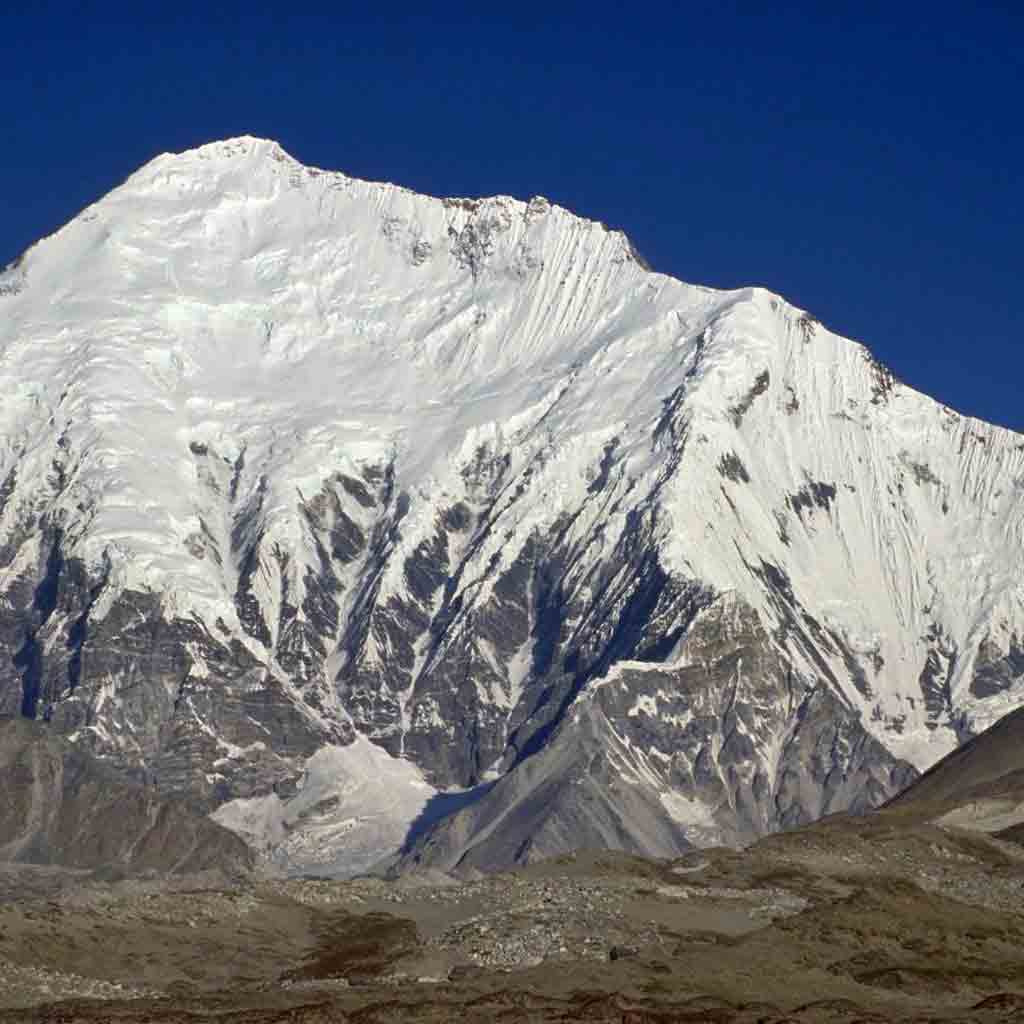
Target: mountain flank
978,786
60,806
325,505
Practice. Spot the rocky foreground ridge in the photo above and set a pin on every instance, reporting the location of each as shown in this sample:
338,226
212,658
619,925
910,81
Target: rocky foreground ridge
380,524
862,920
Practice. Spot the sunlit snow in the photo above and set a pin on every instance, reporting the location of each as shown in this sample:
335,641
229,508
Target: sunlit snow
297,323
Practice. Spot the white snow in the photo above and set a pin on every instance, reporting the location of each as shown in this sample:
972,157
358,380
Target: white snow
354,806
686,811
300,324
645,705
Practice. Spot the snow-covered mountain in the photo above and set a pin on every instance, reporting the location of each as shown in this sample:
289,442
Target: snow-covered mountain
342,508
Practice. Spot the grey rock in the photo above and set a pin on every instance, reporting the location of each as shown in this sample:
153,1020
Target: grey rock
59,806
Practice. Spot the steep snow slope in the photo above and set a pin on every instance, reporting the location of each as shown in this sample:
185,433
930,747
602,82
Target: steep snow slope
289,457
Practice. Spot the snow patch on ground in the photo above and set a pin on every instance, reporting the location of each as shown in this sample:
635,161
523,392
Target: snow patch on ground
686,811
354,806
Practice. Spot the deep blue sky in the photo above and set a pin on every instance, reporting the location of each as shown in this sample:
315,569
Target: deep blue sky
865,161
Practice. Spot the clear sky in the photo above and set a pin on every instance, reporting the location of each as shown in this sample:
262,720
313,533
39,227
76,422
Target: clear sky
863,160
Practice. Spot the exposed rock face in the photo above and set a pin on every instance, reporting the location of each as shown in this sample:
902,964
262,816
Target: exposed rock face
287,457
649,749
60,806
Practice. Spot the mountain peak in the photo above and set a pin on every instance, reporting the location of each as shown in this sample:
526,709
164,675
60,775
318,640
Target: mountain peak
233,148
252,164
242,157
427,470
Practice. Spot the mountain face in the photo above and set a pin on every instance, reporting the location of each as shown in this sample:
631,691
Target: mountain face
372,520
60,806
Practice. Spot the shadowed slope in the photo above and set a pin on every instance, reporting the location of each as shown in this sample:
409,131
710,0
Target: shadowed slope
979,785
60,806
